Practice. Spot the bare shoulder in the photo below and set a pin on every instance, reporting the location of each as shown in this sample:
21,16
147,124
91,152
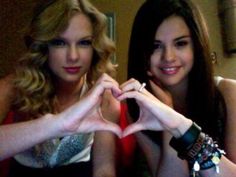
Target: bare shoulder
6,84
7,93
228,88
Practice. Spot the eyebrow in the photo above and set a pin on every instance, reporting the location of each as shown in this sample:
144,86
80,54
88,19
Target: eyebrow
176,39
85,37
182,37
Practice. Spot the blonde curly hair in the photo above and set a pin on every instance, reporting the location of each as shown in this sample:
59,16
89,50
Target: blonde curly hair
34,83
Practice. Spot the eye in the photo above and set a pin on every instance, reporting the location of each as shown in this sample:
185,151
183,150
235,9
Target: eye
181,43
57,43
85,43
157,45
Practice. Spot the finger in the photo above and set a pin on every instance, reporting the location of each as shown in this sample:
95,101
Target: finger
131,84
99,89
127,82
104,124
106,78
108,125
135,127
112,128
131,94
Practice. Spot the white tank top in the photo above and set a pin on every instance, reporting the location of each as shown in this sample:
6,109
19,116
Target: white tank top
218,79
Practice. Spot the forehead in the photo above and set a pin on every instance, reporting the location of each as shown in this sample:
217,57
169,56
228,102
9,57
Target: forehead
79,25
173,26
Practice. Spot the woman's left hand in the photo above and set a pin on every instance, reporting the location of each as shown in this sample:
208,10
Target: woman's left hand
154,115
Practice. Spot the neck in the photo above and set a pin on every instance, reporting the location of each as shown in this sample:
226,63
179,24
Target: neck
68,93
179,93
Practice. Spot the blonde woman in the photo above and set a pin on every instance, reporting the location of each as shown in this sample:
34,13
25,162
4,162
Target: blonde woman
60,95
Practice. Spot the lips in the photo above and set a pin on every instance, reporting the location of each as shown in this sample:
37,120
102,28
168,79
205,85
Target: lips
72,70
170,70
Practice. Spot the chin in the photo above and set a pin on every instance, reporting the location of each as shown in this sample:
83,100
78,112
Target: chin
71,79
170,83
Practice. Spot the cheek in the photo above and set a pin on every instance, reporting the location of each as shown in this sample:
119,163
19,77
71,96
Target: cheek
87,56
54,59
53,64
189,58
56,55
154,61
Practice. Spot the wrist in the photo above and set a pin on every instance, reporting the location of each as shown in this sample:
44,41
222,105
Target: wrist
185,142
181,127
53,125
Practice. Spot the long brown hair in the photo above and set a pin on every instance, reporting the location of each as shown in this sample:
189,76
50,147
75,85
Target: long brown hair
205,104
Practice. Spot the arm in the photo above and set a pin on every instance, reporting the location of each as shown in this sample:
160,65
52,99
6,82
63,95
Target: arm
155,115
104,150
228,89
161,156
228,162
151,150
17,137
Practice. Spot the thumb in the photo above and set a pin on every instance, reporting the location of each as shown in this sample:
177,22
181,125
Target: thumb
135,127
110,126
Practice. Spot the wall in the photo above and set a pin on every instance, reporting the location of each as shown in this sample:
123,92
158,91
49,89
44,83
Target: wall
125,11
14,14
226,65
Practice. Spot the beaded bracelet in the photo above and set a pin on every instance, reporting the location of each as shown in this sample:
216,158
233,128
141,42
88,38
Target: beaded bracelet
198,149
208,157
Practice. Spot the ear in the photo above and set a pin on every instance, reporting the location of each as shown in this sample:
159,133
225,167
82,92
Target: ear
149,73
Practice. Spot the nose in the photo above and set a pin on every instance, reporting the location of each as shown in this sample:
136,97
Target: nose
169,54
73,53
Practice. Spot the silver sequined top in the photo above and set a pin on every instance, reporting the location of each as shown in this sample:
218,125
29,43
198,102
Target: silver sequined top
57,152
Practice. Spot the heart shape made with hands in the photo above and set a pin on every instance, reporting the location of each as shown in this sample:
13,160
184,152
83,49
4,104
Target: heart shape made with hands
152,113
122,129
129,89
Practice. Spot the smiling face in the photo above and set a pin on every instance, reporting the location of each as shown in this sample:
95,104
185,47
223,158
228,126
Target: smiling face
70,54
172,57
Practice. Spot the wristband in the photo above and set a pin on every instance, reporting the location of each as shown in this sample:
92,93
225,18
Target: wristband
185,142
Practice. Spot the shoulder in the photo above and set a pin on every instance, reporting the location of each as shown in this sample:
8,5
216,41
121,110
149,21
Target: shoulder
226,86
7,93
228,89
6,84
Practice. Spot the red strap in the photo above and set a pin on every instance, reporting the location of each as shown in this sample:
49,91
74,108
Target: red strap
127,144
9,118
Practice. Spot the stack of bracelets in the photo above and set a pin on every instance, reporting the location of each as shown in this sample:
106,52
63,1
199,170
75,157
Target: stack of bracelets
198,149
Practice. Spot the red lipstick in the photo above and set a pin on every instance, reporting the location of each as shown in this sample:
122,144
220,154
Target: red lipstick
72,70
